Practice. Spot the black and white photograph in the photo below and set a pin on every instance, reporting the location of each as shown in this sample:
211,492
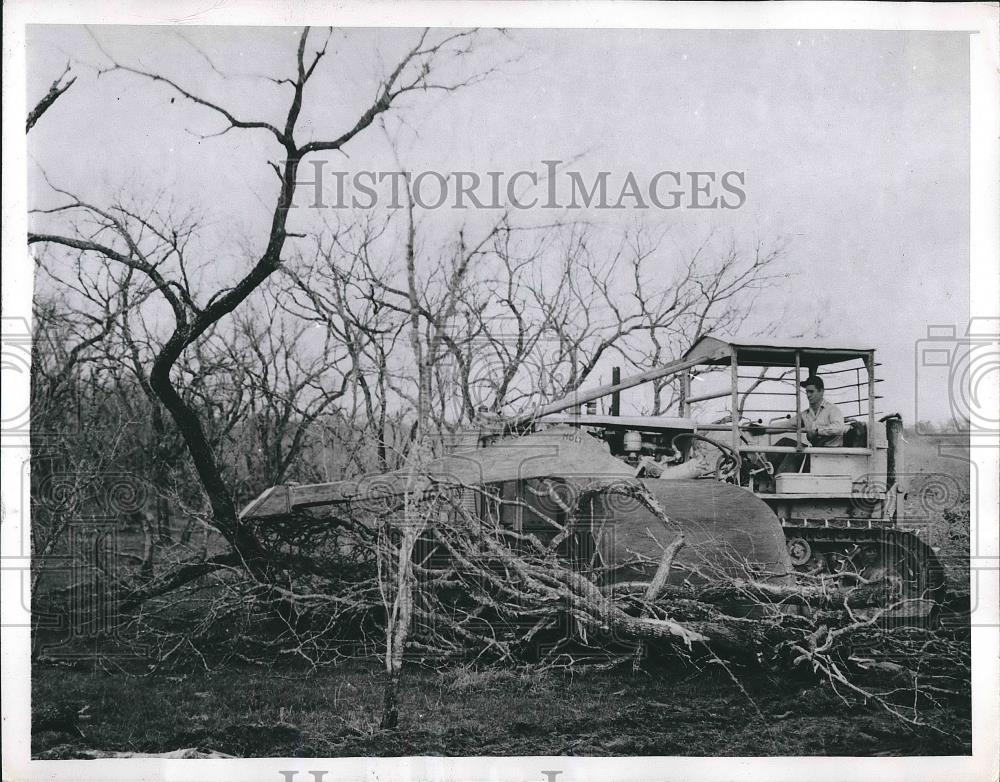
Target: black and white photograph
530,391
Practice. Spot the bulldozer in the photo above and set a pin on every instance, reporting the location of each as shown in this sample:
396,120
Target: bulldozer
838,517
842,509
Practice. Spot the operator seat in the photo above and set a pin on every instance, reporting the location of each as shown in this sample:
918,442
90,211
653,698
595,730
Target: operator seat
856,435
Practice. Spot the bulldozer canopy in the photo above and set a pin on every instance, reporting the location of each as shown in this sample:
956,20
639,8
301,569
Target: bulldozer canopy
773,352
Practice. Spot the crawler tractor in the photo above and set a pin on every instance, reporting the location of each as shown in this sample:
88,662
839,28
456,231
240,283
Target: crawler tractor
841,509
752,497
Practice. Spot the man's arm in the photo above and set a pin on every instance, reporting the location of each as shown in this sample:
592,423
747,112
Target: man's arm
832,423
785,423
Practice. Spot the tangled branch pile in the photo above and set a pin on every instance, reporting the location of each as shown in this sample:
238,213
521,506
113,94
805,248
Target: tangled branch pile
451,573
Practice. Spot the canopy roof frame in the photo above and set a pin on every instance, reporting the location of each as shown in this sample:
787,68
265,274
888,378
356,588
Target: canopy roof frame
718,351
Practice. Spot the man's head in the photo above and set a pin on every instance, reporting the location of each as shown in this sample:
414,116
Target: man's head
813,386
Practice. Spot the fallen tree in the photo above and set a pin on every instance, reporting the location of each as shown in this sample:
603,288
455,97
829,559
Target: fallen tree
485,592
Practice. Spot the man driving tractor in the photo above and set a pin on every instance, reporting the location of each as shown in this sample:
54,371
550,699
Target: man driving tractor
822,422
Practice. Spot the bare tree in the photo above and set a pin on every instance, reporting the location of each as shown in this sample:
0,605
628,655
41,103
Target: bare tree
66,467
146,243
335,291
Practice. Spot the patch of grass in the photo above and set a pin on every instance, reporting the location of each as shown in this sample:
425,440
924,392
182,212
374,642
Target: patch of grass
467,678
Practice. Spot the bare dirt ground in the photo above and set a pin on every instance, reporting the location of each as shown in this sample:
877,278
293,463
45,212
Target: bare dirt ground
462,712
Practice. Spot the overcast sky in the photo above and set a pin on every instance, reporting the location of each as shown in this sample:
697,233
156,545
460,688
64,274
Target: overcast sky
854,144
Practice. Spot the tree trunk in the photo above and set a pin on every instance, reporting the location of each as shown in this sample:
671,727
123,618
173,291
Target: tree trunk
400,617
390,702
